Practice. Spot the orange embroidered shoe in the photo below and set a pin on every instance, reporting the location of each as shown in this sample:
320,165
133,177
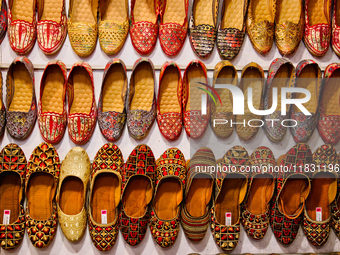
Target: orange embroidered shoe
82,111
317,33
52,113
143,25
21,25
336,28
52,25
169,103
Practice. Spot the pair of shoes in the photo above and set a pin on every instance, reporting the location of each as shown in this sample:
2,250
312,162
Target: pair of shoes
23,28
172,28
83,29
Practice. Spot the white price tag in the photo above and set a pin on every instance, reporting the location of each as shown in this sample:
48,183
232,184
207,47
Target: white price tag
228,218
104,216
7,215
318,213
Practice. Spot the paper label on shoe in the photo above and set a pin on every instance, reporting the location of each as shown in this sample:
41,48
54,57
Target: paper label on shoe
7,215
104,216
228,218
318,213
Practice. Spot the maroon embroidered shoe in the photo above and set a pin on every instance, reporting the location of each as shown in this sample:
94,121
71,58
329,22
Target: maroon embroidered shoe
335,211
82,111
3,20
2,110
52,113
137,190
111,105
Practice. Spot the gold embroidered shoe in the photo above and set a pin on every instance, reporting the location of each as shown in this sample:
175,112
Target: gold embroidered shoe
260,24
113,25
82,26
74,176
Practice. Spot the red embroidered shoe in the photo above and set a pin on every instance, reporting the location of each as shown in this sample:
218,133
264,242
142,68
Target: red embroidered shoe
82,111
143,25
173,26
195,122
169,103
137,191
52,114
317,26
3,20
52,25
22,25
336,29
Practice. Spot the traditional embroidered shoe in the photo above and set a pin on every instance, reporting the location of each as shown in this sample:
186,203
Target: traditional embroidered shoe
260,24
317,211
256,207
169,103
230,191
335,220
82,111
289,25
71,194
137,191
281,74
336,28
317,34
141,106
82,26
293,187
202,27
52,25
41,184
329,111
3,20
113,25
2,110
20,98
224,73
104,197
232,29
52,113
308,76
195,212
111,105
13,166
195,75
168,196
22,30
143,25
252,77
173,26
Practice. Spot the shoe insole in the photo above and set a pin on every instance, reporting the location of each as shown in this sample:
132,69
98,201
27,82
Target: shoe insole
52,97
82,88
199,195
52,10
233,14
288,10
40,192
104,196
228,200
144,10
23,10
316,12
10,188
260,10
174,12
261,191
168,197
71,195
143,87
252,79
308,80
319,195
112,89
331,95
203,13
135,197
23,89
82,12
168,96
195,94
115,10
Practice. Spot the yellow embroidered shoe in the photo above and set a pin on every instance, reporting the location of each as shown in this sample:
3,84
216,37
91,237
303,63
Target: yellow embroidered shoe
113,25
74,177
82,26
260,24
